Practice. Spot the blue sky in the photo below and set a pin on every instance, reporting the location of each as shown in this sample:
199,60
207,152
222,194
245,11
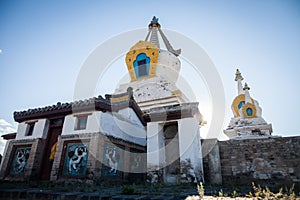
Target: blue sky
44,43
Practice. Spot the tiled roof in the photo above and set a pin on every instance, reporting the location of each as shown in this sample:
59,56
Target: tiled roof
96,103
9,136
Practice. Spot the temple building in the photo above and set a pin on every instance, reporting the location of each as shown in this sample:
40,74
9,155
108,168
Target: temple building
78,140
148,130
247,120
147,127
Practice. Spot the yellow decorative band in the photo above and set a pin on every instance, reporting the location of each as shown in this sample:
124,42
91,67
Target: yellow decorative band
119,99
176,92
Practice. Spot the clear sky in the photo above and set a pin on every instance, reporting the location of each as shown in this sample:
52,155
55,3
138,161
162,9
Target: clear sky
44,43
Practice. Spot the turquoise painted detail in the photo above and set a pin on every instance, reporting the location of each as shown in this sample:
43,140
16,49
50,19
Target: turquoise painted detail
112,162
241,104
249,111
19,163
141,65
75,162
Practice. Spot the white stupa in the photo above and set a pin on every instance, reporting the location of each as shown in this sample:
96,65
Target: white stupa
169,114
153,71
247,120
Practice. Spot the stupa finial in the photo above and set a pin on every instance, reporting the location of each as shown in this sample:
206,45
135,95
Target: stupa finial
238,75
246,87
154,23
153,34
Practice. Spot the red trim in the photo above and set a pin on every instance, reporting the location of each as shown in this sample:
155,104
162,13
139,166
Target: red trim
47,147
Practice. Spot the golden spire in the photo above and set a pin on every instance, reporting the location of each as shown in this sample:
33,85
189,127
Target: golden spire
238,75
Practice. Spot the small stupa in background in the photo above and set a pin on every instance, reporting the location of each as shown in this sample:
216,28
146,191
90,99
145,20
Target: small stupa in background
247,120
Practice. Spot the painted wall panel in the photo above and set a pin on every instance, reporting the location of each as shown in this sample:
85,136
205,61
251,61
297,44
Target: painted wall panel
75,161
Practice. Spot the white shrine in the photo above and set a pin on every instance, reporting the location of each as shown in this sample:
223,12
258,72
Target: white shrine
147,127
173,122
247,120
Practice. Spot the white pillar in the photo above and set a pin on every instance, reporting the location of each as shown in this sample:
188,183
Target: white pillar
247,97
240,86
190,145
155,146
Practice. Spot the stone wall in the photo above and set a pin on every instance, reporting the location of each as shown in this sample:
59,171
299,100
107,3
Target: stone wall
211,161
33,163
35,160
273,160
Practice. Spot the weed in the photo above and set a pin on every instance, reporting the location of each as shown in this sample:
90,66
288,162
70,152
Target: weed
249,195
221,193
234,194
157,191
129,189
200,189
266,193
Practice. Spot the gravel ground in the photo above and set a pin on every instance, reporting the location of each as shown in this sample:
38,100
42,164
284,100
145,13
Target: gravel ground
215,198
